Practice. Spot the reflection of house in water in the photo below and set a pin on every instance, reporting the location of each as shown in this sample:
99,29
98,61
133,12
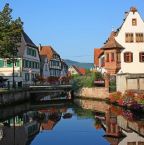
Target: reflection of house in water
114,133
52,116
112,128
121,131
134,131
16,131
121,127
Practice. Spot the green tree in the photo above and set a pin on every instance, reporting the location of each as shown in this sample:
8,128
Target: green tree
10,33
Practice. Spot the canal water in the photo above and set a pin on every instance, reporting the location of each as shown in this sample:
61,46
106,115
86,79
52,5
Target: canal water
82,122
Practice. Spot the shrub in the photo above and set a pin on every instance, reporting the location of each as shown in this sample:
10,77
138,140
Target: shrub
98,76
83,81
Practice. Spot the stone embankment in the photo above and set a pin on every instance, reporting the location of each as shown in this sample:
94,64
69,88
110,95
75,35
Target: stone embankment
14,97
93,93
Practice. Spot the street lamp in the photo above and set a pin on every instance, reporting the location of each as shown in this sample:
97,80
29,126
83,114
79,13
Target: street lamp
13,62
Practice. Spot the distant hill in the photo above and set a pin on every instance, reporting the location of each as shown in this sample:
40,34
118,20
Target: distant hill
79,64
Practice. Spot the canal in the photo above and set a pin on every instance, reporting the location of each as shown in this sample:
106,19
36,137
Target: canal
78,122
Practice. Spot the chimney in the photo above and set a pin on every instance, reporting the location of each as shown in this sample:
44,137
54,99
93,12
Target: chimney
133,9
39,47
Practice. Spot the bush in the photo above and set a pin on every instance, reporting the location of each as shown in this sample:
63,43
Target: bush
98,76
83,81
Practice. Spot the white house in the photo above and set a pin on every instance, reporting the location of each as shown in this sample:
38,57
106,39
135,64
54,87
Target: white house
124,53
53,61
27,66
45,72
131,36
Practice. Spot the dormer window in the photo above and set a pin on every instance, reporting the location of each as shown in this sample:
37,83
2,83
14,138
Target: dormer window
134,22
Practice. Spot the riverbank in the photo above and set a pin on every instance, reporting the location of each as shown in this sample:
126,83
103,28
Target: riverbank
93,93
14,96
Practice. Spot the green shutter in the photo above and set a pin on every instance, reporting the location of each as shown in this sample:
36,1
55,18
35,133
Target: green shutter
1,63
9,64
27,51
18,63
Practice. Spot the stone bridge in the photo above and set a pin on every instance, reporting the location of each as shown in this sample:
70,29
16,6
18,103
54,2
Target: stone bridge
38,92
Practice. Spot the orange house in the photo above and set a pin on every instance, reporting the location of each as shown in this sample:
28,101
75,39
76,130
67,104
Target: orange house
109,56
112,53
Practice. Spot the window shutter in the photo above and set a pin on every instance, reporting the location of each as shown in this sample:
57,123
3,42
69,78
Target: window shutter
124,57
140,60
131,57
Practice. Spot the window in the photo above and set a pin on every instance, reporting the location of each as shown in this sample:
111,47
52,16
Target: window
18,63
140,143
134,22
141,56
26,76
128,57
9,63
31,52
139,37
26,63
118,57
129,37
131,143
1,63
46,67
112,57
107,57
5,63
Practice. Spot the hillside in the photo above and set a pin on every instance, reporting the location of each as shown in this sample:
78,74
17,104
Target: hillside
79,64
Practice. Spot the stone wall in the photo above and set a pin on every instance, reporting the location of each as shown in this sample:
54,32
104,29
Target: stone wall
13,97
94,93
92,104
130,82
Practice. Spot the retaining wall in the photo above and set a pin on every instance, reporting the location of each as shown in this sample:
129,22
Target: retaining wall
94,93
13,97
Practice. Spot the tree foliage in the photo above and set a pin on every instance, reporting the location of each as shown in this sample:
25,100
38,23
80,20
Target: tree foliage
10,33
83,81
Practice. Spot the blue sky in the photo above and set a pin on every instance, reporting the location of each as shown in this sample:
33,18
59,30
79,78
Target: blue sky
72,27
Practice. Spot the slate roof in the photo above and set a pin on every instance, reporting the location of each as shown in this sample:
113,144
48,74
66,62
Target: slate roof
28,40
25,41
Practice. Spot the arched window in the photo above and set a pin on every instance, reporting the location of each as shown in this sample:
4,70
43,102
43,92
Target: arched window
141,56
128,57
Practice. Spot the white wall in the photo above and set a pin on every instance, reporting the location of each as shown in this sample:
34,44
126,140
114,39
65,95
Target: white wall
31,58
135,48
46,71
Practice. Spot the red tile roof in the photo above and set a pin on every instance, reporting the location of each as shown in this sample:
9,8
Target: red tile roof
80,71
48,125
111,42
48,51
97,53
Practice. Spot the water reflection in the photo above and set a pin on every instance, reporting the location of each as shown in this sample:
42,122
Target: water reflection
82,122
122,127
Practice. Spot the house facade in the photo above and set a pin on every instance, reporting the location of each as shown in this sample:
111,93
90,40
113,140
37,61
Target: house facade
53,59
131,37
74,70
45,72
27,65
99,60
123,51
64,70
